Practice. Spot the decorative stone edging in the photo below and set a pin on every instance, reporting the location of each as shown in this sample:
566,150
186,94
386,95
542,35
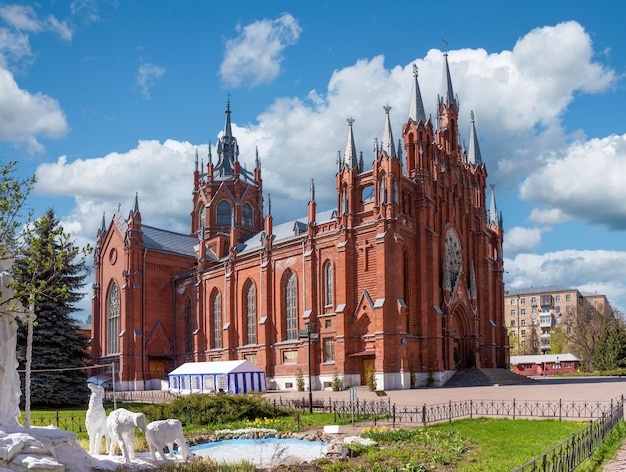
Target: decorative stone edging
257,433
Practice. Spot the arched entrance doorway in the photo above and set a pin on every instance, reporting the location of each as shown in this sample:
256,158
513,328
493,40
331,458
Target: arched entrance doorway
462,339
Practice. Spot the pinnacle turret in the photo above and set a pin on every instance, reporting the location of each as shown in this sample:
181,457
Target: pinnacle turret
227,149
349,158
416,107
388,147
473,153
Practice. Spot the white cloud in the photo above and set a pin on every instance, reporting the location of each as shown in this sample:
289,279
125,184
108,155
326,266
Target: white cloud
25,18
160,173
521,240
578,184
548,216
255,56
147,76
24,116
594,271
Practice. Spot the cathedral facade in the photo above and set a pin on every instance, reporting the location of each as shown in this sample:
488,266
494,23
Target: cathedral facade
403,279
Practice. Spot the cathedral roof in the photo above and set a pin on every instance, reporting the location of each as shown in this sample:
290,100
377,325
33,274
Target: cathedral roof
286,231
167,241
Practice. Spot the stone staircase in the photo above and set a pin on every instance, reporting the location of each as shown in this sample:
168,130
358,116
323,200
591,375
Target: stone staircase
486,377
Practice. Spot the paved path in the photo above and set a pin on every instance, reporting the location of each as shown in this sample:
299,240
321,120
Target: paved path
591,389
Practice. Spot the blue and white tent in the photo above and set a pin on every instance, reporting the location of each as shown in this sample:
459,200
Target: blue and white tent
217,376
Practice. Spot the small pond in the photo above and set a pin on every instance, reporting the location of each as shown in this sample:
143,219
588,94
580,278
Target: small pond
261,452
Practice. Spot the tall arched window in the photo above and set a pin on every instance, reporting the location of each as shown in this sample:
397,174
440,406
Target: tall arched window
217,320
251,314
113,318
224,213
188,327
328,284
291,306
246,216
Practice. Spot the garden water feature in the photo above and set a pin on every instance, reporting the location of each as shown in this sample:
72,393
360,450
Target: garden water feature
262,452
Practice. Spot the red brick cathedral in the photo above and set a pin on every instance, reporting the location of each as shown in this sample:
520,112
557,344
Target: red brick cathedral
403,278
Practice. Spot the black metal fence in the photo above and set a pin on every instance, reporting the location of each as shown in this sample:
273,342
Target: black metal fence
567,455
379,410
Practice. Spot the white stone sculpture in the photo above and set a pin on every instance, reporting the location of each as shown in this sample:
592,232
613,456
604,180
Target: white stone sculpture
96,421
121,424
165,433
10,311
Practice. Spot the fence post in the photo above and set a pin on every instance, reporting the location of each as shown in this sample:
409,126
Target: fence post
57,415
560,408
471,409
514,408
393,423
450,411
424,414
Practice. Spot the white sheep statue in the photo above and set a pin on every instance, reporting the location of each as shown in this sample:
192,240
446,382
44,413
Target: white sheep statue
96,421
165,433
122,424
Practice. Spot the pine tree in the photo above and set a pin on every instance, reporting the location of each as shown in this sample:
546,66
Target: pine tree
55,269
611,350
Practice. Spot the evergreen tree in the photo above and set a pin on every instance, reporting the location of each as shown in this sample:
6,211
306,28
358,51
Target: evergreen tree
55,270
611,350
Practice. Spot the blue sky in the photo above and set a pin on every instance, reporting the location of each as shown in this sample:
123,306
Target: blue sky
104,99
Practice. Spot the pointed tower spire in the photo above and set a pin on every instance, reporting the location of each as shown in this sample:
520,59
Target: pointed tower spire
361,163
312,191
227,149
349,157
493,211
447,93
210,157
387,145
473,154
196,159
269,205
135,209
416,108
257,160
103,226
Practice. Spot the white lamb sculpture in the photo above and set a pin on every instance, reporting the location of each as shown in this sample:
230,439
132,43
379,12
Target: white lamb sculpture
122,424
165,433
96,421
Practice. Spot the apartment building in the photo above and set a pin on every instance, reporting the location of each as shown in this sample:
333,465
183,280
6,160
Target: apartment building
531,314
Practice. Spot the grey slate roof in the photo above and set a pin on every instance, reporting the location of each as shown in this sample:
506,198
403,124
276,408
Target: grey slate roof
285,231
535,290
167,241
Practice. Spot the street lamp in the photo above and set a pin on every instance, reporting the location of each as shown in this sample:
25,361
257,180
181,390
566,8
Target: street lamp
309,330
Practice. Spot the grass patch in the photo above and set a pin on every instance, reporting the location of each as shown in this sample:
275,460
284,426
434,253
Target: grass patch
465,445
503,444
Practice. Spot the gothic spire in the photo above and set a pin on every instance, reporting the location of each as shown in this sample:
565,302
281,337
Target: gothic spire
103,226
135,209
447,93
473,154
196,159
210,157
312,191
416,107
227,149
349,158
493,210
387,142
257,160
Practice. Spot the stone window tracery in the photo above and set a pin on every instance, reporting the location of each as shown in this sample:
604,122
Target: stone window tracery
113,319
291,306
